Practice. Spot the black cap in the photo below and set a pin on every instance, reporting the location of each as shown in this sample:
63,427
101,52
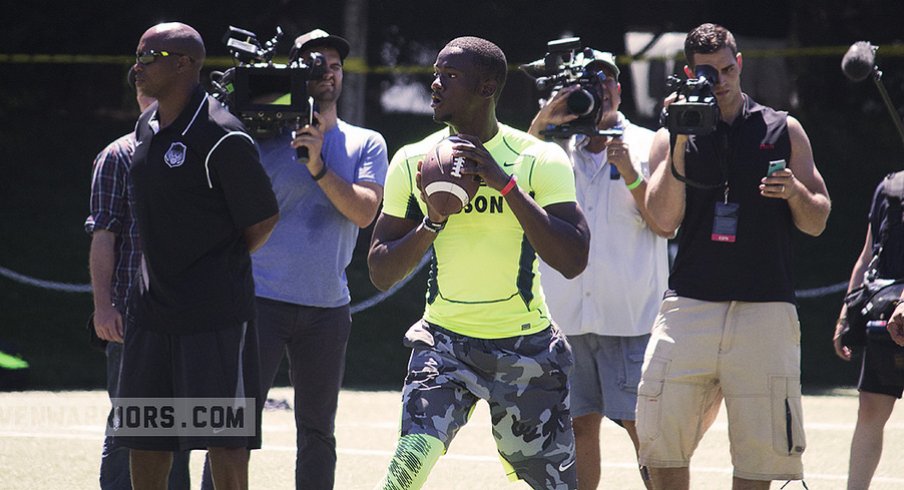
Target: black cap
319,37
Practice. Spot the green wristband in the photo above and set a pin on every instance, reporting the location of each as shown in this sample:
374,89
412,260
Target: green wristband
636,183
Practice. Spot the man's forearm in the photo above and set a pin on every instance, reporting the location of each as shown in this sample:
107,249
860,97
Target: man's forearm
810,212
390,261
561,244
357,202
101,263
665,199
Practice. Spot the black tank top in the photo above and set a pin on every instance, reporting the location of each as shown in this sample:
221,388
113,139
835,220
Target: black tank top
886,219
757,266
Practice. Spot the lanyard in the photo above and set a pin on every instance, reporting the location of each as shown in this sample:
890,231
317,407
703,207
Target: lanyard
722,155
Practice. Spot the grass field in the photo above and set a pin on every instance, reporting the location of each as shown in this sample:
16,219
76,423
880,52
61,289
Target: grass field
51,440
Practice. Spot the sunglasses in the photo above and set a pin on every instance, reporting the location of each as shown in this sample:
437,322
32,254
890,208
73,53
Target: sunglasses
151,55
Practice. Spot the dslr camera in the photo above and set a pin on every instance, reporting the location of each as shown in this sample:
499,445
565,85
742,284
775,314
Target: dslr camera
696,110
566,64
264,95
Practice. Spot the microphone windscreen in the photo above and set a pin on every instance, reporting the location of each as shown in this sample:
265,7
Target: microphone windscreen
859,61
534,69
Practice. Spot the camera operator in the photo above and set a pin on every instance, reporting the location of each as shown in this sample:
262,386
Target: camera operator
728,324
608,310
299,274
880,384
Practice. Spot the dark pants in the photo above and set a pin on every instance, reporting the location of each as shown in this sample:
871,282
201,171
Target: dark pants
114,461
315,340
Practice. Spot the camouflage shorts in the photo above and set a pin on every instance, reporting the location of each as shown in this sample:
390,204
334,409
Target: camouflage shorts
523,379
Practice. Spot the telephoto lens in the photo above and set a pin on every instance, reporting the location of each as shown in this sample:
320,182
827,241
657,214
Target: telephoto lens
581,102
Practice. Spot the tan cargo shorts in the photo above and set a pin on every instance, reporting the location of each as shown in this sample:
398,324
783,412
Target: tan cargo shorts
747,353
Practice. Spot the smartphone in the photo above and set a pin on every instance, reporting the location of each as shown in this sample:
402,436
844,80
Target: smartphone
775,166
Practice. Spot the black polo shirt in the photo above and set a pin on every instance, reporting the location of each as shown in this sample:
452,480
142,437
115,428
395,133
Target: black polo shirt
757,266
197,184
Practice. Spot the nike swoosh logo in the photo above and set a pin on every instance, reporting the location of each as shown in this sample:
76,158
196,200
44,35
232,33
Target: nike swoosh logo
565,466
507,164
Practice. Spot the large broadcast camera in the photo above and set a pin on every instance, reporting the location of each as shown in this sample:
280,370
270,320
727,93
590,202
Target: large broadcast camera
266,96
563,66
696,110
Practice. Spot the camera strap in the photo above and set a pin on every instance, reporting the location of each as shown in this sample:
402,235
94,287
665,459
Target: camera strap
723,165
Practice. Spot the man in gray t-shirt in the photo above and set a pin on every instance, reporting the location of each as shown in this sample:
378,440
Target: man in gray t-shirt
299,275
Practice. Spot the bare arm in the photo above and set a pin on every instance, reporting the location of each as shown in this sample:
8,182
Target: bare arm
101,262
558,232
257,234
396,247
665,195
856,280
619,154
801,184
356,201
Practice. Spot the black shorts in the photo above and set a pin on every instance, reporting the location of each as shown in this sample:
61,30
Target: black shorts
882,370
214,364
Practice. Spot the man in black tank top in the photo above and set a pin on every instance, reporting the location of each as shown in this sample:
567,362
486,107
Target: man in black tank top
728,325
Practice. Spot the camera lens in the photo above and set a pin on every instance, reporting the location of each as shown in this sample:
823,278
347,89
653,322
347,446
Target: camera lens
580,102
691,119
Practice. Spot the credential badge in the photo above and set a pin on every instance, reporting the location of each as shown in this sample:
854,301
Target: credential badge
175,156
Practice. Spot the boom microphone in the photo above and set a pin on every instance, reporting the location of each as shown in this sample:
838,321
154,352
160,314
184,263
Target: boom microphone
859,61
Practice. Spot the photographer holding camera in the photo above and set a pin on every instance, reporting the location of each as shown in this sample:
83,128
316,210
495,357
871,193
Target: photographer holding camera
608,310
881,382
299,275
728,324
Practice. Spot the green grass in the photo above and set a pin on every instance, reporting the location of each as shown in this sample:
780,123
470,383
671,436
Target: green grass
52,440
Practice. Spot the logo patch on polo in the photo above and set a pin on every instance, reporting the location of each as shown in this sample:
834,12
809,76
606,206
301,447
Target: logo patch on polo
175,156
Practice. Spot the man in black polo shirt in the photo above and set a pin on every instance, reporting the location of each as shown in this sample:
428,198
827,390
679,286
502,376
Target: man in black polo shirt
202,202
728,325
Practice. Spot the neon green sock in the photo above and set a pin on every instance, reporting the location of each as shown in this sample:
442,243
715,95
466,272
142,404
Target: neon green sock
9,361
414,458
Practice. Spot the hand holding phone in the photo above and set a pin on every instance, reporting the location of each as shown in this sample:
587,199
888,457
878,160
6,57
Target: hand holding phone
775,166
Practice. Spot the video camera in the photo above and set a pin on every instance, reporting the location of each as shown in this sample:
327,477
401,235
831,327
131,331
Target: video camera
697,112
564,65
265,96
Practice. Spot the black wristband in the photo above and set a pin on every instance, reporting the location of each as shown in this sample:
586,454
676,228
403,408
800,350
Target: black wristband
319,175
433,226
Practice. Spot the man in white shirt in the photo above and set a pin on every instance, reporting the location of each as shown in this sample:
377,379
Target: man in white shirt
607,312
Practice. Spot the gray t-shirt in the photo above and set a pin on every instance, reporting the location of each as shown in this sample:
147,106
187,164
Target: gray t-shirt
305,259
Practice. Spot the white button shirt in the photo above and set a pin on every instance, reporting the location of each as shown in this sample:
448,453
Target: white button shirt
619,292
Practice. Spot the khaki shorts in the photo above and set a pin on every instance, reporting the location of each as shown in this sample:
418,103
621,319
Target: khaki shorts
748,353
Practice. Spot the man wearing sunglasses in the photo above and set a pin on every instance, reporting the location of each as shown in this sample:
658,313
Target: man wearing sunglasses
608,310
203,203
113,262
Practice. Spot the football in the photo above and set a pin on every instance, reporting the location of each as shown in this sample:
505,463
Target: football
447,188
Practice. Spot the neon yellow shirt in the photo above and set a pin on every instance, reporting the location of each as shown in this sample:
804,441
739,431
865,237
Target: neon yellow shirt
484,278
